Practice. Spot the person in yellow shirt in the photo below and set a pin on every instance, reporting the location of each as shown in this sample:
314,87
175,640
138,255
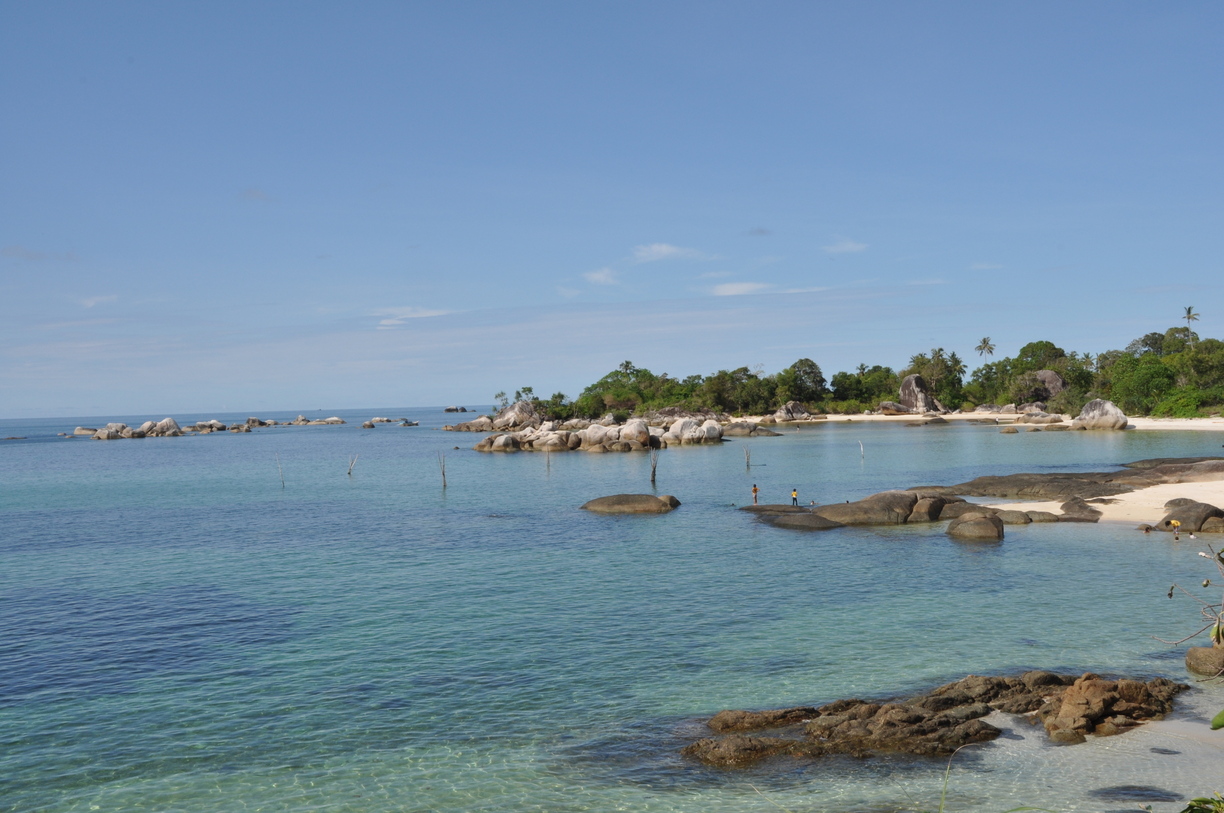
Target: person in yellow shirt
794,496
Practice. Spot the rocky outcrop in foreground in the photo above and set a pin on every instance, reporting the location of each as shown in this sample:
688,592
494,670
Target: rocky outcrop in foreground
939,722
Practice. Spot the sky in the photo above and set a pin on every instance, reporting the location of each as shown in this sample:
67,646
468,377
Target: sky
231,206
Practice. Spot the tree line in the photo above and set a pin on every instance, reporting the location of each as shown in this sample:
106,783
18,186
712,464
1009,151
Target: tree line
1169,374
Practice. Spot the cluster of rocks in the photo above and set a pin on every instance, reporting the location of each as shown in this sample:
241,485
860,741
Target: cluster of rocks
455,409
792,412
370,424
168,427
968,520
939,722
520,428
302,420
1078,491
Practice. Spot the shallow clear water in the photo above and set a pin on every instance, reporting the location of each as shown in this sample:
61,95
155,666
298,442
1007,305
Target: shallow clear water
178,632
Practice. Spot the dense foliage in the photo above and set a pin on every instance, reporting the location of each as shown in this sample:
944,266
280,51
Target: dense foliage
1174,374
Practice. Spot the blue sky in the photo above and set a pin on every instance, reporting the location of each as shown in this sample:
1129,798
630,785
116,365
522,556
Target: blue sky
291,206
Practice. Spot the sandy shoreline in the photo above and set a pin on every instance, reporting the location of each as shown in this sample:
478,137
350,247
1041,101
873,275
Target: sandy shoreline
1143,505
1135,424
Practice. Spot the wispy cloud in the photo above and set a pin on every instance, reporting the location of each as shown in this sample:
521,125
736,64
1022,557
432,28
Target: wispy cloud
714,275
90,301
740,288
568,293
845,247
985,267
31,256
665,251
759,231
927,282
815,290
398,316
254,193
604,276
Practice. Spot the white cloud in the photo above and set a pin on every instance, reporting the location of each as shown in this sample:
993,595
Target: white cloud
89,302
604,276
664,251
740,288
806,290
845,247
927,282
398,316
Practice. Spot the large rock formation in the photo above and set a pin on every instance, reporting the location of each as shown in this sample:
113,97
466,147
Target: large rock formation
632,504
516,416
1189,514
939,722
1100,414
792,411
916,396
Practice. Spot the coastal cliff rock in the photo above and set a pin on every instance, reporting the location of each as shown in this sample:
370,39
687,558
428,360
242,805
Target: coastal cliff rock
1100,414
939,722
632,504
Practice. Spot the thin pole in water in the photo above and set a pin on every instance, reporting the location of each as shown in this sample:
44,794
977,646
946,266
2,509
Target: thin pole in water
862,452
352,462
281,470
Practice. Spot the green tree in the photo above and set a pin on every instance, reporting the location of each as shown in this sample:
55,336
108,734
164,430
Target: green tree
802,381
1139,383
985,348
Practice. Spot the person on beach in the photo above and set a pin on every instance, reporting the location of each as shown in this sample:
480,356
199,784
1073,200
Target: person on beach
1176,528
755,491
794,496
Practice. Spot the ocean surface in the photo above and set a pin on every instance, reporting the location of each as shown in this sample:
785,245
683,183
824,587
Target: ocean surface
180,632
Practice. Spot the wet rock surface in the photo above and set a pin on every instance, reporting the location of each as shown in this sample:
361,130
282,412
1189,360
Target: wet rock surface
938,722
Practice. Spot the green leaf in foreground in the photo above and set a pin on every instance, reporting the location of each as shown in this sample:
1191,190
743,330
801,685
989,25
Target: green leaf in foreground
1217,722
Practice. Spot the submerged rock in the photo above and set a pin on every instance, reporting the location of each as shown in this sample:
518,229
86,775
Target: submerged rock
632,504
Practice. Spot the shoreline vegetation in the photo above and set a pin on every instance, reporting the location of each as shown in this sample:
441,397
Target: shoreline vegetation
1175,374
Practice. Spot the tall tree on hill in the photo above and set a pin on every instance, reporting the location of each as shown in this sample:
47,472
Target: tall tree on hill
985,348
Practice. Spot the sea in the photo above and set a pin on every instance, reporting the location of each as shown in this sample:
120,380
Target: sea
310,618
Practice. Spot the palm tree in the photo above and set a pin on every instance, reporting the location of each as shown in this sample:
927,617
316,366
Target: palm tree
1190,316
985,348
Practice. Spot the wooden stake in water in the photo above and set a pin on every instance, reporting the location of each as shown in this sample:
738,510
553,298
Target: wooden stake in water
282,471
654,464
862,452
442,467
548,460
352,462
747,458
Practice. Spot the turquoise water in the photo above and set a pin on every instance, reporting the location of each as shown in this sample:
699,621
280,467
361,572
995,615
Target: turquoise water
179,632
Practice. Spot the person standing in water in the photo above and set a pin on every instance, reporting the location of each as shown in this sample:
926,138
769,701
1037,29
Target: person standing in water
794,496
755,491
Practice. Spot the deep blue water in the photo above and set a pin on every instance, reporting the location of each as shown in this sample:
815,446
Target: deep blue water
179,632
